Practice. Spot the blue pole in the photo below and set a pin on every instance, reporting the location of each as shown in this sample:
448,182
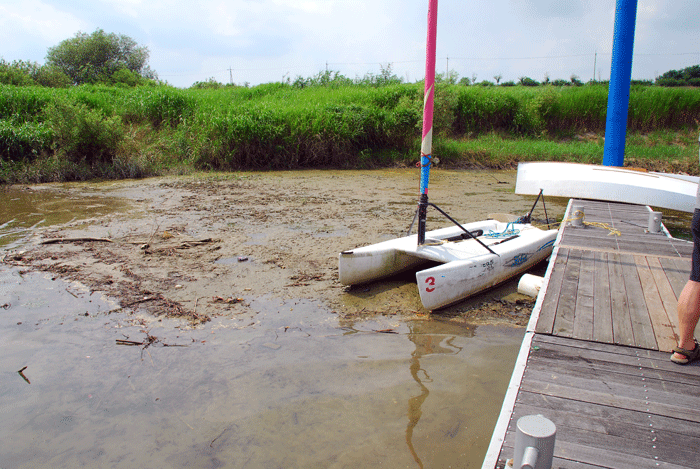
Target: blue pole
619,90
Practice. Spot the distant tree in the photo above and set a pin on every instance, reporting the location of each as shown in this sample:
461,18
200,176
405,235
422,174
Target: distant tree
450,78
508,83
17,73
498,78
560,82
527,81
21,73
464,81
576,81
689,76
96,57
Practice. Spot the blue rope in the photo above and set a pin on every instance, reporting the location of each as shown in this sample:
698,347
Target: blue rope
508,231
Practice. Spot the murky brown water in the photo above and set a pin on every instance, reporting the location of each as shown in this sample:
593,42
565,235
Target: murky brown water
300,391
283,382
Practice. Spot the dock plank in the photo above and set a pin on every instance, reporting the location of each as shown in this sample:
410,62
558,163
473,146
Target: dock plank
564,320
602,310
663,328
583,314
622,323
677,271
545,323
642,329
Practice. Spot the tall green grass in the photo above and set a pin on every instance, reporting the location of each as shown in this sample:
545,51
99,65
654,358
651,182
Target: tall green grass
280,126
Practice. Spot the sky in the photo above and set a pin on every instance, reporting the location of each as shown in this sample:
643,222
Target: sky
262,41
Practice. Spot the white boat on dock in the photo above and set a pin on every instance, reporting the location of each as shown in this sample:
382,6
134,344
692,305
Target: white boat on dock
608,183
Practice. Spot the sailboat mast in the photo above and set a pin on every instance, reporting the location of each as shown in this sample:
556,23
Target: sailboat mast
426,150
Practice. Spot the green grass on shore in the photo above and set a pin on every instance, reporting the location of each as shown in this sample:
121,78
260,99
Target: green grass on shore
89,132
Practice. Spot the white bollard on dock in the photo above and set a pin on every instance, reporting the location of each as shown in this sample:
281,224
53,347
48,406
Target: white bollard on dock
534,443
577,215
654,222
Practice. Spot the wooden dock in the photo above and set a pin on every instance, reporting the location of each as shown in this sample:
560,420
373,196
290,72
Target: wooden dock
595,357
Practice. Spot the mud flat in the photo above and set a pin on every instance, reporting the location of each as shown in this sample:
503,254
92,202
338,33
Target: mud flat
198,322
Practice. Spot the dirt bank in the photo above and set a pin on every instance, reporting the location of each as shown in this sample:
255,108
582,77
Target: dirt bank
203,246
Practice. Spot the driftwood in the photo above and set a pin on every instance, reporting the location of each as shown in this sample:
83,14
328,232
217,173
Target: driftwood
183,245
75,240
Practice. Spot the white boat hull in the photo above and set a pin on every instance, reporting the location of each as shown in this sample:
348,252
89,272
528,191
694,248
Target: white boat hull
468,267
608,183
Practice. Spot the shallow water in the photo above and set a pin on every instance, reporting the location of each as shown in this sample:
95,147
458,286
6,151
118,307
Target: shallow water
288,387
281,383
25,210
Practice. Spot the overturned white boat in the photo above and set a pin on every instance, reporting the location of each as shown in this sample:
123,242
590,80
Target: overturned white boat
474,257
588,181
491,253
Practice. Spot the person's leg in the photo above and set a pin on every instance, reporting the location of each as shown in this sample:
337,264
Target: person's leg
688,316
689,299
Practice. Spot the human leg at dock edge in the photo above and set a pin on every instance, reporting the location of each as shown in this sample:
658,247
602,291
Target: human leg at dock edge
689,299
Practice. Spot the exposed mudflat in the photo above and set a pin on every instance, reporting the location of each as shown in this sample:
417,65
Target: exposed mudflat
205,246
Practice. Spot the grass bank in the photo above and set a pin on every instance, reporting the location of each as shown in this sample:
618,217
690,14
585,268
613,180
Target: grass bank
90,132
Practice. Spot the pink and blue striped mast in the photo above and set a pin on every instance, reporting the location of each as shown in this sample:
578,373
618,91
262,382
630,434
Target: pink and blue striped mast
426,149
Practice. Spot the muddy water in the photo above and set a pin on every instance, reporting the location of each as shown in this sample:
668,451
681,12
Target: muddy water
23,211
302,391
281,382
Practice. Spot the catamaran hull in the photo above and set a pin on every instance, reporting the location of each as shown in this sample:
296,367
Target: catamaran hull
381,260
467,266
454,281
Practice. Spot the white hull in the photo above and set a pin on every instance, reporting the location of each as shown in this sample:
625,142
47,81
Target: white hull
468,267
613,184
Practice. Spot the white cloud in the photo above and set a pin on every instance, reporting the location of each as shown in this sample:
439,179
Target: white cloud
25,24
264,39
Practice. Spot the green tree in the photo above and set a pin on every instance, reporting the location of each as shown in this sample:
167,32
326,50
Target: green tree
96,57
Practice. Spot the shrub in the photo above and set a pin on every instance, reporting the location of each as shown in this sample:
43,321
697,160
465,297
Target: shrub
23,141
82,134
52,77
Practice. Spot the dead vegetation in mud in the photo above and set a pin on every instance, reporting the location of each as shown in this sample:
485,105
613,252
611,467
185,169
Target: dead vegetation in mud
202,247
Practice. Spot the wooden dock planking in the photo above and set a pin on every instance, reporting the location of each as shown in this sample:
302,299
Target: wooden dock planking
622,322
545,324
615,289
642,328
596,353
677,272
583,313
566,307
663,325
602,312
615,410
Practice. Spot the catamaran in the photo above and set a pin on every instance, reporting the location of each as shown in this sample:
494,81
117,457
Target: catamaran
471,257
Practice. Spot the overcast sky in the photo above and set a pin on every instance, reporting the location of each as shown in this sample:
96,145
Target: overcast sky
269,40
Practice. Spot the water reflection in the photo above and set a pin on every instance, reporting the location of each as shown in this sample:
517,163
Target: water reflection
426,344
296,389
24,210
